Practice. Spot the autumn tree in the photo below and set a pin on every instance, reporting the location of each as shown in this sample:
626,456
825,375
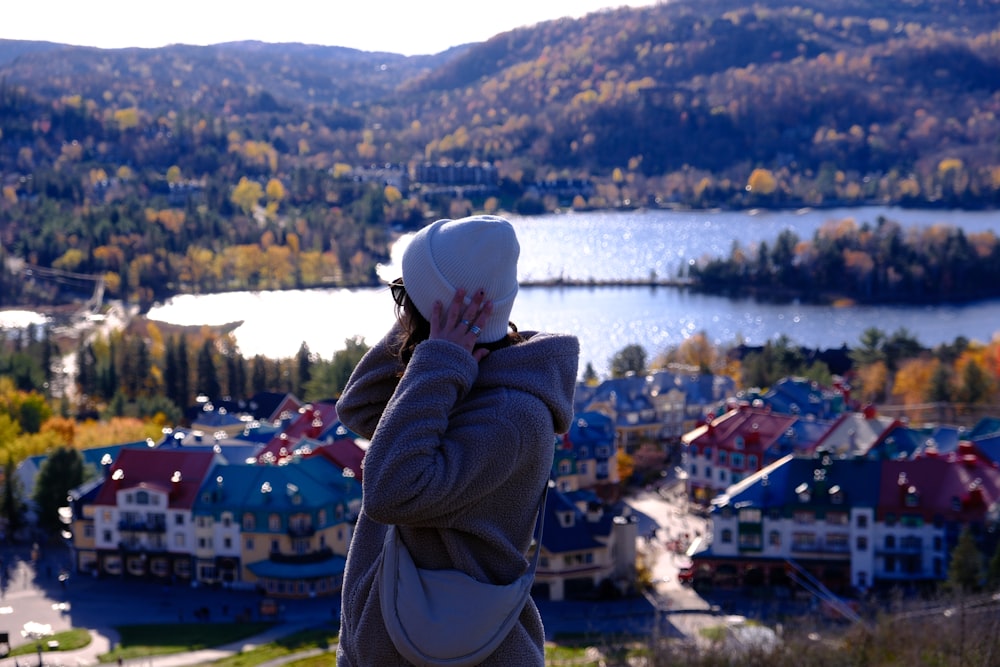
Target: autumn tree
247,195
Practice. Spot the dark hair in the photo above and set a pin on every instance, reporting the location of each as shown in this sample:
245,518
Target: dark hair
416,329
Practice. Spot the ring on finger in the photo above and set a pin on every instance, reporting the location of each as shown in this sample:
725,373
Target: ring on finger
474,330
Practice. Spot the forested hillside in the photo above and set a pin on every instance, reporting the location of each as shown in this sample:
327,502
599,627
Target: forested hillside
248,165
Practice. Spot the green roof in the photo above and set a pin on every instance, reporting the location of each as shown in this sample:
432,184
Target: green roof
332,567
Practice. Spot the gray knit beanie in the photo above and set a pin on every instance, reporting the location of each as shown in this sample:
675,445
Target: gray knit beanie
473,253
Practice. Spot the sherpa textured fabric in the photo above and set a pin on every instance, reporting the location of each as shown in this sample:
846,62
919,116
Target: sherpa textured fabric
459,454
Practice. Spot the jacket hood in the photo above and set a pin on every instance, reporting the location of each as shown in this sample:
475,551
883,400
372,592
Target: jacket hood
544,365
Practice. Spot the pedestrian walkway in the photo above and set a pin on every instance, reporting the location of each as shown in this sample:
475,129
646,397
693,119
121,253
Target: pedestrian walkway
102,639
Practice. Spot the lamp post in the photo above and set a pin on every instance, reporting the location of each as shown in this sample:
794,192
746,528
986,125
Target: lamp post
36,631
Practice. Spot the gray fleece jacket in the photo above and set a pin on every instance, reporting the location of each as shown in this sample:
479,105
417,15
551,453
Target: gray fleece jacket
460,452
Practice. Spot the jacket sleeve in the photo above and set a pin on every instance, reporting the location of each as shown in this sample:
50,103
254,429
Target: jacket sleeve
426,460
370,386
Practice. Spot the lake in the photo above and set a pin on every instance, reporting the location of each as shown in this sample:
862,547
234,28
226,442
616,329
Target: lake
612,246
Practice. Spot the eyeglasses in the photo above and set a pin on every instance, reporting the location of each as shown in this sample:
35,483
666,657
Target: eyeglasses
398,291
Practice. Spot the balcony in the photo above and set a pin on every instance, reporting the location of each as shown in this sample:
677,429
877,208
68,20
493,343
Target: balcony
301,530
142,526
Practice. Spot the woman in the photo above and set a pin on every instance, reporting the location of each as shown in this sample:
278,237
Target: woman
462,413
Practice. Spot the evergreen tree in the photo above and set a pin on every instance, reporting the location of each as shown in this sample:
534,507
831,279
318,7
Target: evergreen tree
303,365
208,376
258,375
170,370
629,359
966,568
11,504
183,374
993,571
61,471
940,388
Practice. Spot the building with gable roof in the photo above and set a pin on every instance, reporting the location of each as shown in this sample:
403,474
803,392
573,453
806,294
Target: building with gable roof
855,433
850,523
586,456
310,421
587,549
731,447
142,514
283,529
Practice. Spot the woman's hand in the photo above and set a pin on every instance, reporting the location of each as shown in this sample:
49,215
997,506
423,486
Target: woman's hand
461,322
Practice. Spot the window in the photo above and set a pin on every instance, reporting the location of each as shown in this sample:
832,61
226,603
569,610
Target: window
862,521
274,522
249,522
838,542
142,498
275,547
722,457
178,519
249,544
750,540
750,515
890,541
106,535
179,540
727,536
227,542
803,541
737,460
582,466
937,543
88,530
862,543
752,462
804,517
837,518
708,453
774,538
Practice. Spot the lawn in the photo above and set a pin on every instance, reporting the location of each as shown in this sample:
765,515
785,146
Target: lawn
70,640
140,641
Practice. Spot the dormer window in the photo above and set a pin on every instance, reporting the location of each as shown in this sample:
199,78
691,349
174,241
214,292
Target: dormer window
912,497
738,442
802,491
567,519
836,495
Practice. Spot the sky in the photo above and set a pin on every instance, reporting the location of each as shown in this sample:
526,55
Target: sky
406,27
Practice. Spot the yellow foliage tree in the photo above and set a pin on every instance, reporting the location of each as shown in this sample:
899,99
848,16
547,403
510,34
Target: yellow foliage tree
913,380
70,260
247,195
127,118
762,182
873,379
275,190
